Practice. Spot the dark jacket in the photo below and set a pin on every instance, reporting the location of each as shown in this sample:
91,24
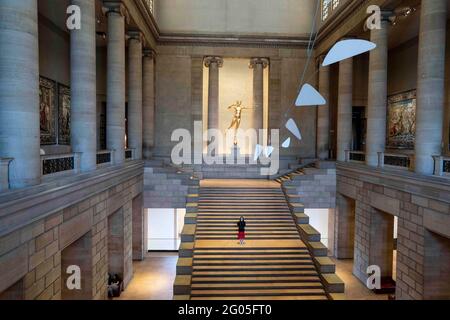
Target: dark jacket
241,226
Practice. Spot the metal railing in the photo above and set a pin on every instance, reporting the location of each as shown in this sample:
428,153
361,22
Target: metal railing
58,164
397,160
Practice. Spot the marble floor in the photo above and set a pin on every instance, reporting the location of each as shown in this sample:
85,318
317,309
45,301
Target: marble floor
354,288
153,278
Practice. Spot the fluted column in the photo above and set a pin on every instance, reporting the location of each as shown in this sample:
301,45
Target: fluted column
430,84
258,65
135,120
377,96
84,87
323,114
148,112
345,106
19,91
213,63
115,110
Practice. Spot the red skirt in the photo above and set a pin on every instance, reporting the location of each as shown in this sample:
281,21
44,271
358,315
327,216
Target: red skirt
241,235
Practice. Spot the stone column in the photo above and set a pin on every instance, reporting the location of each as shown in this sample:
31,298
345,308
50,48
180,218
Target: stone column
323,114
148,107
115,113
84,87
258,65
377,96
345,106
213,63
430,84
135,120
19,91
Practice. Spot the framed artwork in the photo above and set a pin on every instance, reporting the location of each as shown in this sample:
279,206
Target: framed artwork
47,110
401,120
64,110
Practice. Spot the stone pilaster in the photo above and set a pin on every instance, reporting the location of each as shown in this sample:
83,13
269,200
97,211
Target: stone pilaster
430,84
135,119
213,63
377,96
345,106
258,65
148,103
83,87
19,91
323,114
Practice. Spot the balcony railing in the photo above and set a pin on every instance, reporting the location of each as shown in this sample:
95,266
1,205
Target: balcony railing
59,164
105,158
399,161
357,156
129,154
4,173
441,166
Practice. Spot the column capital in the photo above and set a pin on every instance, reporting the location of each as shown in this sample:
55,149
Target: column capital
263,61
149,53
135,35
115,7
209,60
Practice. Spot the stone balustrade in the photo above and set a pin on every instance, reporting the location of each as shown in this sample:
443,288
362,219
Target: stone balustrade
105,158
130,154
441,166
358,156
397,160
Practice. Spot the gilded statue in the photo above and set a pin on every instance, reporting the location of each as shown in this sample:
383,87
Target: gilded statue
237,117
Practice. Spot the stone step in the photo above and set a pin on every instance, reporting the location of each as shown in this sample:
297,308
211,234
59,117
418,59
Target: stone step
188,233
332,283
325,265
182,285
252,257
301,218
266,297
186,250
254,279
266,267
190,218
318,249
184,266
308,233
245,273
257,285
256,292
252,263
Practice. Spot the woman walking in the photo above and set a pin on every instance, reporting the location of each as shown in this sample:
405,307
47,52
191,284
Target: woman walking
241,231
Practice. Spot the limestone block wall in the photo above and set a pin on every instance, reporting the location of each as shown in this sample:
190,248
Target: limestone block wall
422,205
45,225
317,187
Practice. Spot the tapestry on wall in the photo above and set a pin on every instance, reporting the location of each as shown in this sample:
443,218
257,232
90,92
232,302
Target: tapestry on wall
47,110
64,115
402,120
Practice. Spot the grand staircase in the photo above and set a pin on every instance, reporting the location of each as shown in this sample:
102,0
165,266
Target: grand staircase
274,264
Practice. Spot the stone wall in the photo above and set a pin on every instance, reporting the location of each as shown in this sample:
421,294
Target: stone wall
45,225
422,205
